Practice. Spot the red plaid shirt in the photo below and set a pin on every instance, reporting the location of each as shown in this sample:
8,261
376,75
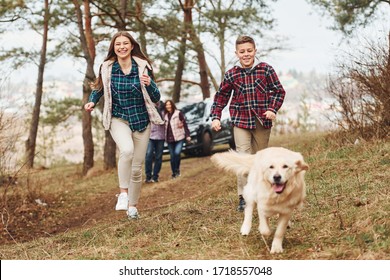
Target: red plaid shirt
255,91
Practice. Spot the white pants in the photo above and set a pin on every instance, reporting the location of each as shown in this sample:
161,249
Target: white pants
132,149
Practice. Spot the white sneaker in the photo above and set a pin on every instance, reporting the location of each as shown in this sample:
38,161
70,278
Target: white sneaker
123,202
132,213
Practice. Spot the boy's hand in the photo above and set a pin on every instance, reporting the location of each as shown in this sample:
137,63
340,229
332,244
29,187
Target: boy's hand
216,125
270,115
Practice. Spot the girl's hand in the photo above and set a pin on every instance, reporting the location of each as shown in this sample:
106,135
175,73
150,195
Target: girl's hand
145,80
180,124
188,139
89,106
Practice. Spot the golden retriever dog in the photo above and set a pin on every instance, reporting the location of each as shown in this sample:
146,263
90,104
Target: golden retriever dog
275,184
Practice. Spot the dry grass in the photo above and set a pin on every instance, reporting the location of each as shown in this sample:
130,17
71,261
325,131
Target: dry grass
345,215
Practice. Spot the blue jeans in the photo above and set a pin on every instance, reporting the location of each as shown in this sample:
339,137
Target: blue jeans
175,151
154,151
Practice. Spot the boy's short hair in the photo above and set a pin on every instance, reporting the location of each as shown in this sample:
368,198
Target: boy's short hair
245,39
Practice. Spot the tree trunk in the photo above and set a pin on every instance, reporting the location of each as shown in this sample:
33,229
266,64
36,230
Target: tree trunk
86,118
222,49
123,10
386,120
109,152
204,83
187,21
180,68
388,55
212,78
31,141
88,31
141,26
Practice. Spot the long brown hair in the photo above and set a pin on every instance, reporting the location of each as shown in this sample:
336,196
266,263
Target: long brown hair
111,55
173,105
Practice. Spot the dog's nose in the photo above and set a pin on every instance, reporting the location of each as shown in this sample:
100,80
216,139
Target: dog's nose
277,178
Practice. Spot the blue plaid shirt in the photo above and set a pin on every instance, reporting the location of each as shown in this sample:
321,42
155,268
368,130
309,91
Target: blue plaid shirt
127,99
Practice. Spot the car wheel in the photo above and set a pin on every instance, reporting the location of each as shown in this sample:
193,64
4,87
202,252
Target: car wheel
207,144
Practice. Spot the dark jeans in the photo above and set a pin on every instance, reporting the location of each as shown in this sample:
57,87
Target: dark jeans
154,151
175,151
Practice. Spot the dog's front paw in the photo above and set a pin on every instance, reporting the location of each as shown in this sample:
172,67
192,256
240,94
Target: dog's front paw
276,247
245,229
276,250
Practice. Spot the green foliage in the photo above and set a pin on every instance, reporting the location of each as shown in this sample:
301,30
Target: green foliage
11,10
162,23
57,120
19,56
57,111
349,13
28,16
55,128
237,18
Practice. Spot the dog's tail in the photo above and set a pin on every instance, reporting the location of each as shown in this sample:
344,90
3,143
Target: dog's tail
233,161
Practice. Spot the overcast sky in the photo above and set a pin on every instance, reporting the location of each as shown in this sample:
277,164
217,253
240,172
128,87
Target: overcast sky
313,44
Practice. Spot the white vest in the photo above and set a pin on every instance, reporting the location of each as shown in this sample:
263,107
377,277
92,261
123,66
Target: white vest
176,126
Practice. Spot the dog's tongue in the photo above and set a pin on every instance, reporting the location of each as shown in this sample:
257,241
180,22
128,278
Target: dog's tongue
278,188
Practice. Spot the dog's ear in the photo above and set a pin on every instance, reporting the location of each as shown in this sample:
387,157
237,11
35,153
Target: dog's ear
301,165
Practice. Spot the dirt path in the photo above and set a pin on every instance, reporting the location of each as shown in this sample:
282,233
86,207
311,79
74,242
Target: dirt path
31,221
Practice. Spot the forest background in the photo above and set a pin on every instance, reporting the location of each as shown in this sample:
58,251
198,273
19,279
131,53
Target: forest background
52,208
191,44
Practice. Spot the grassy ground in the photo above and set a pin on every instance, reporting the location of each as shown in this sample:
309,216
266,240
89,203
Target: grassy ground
346,215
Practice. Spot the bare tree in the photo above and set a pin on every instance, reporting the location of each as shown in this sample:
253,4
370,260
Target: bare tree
364,78
31,141
361,88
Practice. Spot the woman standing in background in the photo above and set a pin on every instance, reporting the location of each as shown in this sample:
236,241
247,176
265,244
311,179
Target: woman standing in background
176,131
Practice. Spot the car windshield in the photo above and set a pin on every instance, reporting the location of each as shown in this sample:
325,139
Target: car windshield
193,111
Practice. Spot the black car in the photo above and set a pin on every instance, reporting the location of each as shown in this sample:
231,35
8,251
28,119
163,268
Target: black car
203,137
